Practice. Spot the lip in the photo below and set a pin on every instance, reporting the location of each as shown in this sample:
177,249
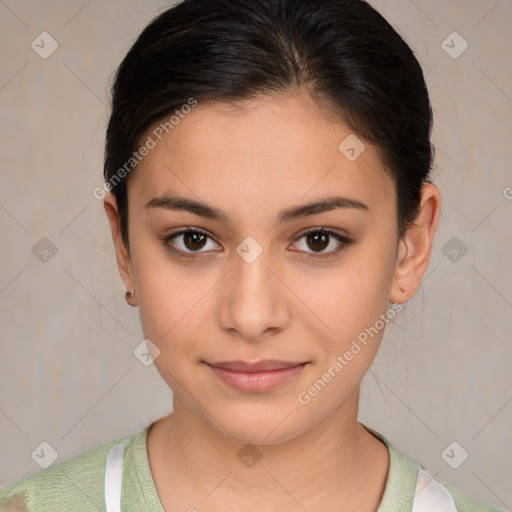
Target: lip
258,376
258,366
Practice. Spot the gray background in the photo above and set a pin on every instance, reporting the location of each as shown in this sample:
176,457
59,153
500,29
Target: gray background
68,375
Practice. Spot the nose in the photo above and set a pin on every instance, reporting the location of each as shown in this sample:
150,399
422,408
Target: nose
254,302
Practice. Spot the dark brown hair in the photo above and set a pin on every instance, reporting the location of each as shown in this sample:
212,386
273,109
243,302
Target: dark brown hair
342,51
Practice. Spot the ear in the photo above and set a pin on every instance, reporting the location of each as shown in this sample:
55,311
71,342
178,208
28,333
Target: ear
415,246
124,262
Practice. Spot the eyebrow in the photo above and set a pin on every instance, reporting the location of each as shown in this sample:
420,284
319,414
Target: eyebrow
176,203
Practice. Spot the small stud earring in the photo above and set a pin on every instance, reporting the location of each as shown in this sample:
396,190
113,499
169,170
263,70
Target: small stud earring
130,298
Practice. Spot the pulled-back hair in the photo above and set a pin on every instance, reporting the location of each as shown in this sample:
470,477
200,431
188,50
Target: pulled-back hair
342,52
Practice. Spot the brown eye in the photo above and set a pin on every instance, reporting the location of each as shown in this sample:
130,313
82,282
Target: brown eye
187,242
318,240
194,240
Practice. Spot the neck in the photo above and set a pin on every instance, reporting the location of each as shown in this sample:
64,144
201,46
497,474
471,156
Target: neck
338,456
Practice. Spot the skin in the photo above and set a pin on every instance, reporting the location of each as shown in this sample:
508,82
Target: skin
252,160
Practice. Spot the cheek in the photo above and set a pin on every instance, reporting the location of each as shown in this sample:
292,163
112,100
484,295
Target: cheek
171,315
352,303
169,295
351,297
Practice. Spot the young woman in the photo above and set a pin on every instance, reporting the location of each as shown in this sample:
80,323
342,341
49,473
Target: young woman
267,186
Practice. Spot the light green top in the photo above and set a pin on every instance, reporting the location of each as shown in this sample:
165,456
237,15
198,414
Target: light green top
77,484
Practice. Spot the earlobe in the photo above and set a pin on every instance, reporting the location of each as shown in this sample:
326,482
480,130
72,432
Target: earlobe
123,258
415,247
131,298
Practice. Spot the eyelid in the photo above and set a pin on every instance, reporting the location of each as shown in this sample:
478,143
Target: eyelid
183,231
343,240
323,229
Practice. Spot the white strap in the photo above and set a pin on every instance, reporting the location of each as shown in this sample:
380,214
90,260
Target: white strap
114,478
431,496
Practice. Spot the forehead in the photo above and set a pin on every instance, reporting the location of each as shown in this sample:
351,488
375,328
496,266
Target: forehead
276,149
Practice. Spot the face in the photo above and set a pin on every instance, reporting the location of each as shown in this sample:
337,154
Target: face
252,274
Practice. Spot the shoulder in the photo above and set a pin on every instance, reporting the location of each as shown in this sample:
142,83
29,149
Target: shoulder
411,487
467,503
432,490
440,495
75,484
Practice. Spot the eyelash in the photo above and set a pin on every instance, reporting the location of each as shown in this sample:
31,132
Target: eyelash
344,241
